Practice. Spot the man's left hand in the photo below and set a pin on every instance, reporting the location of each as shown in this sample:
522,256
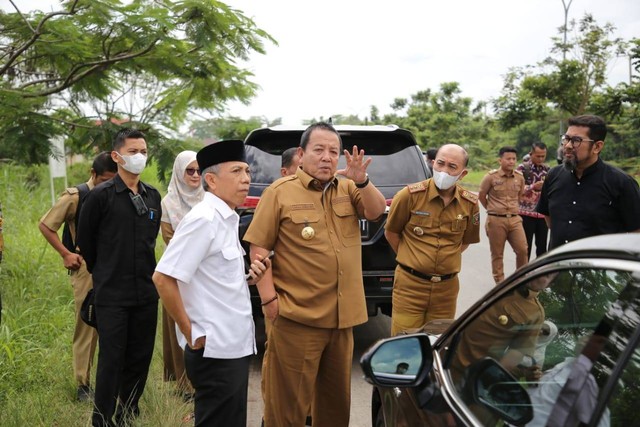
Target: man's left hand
356,169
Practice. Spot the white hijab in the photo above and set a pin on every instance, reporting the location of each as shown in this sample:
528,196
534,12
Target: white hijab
180,196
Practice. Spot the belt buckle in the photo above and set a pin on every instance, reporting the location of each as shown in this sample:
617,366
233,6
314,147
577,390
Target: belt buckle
436,279
508,215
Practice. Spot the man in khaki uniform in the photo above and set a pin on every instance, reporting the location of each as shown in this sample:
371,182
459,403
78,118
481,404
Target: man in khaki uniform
500,194
430,224
64,211
314,293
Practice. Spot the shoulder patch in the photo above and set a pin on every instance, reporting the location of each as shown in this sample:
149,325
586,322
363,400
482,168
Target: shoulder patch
72,190
417,187
492,171
466,194
283,179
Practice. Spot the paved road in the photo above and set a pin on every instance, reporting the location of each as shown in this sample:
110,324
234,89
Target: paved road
475,281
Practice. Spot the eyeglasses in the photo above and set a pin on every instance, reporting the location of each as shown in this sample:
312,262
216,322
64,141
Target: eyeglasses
575,140
191,171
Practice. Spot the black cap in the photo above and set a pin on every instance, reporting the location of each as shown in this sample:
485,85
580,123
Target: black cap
219,152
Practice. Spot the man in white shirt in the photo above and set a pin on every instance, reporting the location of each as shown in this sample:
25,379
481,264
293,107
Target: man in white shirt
201,281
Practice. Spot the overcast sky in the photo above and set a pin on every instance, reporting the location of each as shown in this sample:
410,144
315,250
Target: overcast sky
342,56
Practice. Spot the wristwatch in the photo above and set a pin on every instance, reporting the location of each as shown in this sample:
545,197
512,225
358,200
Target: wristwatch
363,184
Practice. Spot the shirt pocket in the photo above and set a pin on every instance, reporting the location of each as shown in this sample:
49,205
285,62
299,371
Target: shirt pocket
232,267
419,225
459,225
347,221
307,218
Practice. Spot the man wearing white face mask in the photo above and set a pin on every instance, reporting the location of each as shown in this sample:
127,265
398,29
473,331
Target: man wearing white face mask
430,224
116,235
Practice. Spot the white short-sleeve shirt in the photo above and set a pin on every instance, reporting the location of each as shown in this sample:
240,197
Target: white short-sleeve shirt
205,257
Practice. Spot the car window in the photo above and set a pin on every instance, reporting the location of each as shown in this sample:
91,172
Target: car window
560,335
388,167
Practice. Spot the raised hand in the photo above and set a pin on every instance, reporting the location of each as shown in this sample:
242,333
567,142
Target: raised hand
356,169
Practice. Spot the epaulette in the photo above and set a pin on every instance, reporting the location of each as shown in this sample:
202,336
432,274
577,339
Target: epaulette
278,182
492,171
417,187
517,171
466,194
72,190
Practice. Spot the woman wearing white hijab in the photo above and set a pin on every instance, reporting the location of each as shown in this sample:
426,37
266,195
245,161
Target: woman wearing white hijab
185,191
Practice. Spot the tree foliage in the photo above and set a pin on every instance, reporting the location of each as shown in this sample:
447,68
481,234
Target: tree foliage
68,71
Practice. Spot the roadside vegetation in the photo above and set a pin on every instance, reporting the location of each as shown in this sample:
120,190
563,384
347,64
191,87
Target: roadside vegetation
36,378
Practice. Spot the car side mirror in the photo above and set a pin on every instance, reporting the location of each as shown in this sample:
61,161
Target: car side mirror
401,361
493,387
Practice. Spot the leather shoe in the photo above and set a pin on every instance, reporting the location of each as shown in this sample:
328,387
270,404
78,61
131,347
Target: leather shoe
85,394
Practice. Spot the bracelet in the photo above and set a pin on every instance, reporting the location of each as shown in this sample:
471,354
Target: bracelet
275,297
363,184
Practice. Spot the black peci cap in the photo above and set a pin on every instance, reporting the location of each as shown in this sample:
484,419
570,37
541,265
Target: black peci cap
219,152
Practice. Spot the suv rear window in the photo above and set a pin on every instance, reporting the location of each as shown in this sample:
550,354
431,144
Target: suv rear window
397,160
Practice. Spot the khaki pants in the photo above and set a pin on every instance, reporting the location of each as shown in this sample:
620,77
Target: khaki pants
307,368
417,301
84,336
500,230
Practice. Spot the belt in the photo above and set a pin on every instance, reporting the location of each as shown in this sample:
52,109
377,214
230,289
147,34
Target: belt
431,277
503,215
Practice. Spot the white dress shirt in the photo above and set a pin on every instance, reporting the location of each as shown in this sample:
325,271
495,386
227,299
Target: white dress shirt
206,259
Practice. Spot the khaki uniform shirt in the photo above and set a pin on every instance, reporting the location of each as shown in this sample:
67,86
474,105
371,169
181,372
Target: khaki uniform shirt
503,191
512,323
64,210
431,234
319,280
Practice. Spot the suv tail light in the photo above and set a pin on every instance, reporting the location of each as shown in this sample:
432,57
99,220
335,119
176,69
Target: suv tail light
250,202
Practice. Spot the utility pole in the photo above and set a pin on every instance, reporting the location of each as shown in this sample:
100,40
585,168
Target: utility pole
566,7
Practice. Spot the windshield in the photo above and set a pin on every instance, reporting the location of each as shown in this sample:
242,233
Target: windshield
389,170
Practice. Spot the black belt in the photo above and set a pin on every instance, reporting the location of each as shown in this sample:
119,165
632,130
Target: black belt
503,215
431,277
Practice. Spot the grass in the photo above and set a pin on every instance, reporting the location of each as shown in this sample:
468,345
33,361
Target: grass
36,378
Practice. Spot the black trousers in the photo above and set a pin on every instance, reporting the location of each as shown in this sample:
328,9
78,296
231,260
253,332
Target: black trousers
535,227
221,389
126,336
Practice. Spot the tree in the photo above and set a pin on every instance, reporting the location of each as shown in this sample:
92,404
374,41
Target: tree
565,82
437,118
171,56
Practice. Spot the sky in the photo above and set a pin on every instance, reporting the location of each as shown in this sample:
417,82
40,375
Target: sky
343,56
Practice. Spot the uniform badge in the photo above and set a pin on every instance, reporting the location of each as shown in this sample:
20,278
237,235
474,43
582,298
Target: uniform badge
308,233
476,218
503,320
419,231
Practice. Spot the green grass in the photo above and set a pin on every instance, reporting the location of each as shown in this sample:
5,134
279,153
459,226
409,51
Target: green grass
36,379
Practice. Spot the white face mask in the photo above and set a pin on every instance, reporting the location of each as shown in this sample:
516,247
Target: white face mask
134,164
443,180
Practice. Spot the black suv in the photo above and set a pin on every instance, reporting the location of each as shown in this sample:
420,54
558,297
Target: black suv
397,161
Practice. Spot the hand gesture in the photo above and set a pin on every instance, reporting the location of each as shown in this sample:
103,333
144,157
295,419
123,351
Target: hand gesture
356,169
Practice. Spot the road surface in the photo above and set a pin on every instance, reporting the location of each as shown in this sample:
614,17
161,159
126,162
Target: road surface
475,281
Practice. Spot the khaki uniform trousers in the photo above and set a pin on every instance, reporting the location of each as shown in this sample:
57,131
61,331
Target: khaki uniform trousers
84,336
307,368
173,355
417,301
500,230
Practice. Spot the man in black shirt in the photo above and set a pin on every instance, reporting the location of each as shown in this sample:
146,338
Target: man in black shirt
117,235
585,196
